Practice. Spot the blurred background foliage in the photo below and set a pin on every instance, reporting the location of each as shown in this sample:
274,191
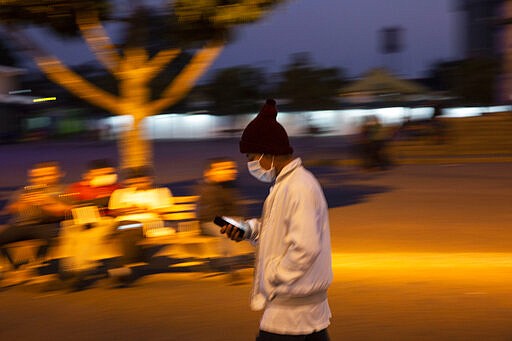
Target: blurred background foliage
239,89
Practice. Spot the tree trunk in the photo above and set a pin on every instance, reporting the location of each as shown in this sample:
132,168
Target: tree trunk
135,149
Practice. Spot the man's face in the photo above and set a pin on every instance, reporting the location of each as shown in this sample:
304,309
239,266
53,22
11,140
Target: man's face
100,177
265,161
91,174
139,183
222,171
44,176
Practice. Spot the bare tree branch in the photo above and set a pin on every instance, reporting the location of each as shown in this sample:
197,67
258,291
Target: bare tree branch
62,75
160,60
98,40
201,61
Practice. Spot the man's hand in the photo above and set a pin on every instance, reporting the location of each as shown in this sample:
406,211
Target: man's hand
232,232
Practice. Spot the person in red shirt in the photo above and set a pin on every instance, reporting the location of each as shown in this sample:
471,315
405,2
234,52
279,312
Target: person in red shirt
97,184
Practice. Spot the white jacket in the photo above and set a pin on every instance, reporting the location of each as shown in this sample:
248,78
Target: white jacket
293,261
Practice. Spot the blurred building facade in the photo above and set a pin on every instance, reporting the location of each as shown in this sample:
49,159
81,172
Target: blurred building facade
9,79
488,33
505,78
12,106
482,27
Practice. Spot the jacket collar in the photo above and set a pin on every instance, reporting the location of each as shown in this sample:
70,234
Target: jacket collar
290,167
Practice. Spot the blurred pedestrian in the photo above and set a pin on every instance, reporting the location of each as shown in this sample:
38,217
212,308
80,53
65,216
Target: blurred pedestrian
293,258
438,125
373,144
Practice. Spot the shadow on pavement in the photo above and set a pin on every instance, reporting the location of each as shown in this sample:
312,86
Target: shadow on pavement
150,264
337,183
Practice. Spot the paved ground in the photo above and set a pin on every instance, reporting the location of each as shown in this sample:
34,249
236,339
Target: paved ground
421,252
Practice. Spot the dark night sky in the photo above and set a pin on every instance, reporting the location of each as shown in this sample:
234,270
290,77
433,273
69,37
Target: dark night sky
339,33
345,33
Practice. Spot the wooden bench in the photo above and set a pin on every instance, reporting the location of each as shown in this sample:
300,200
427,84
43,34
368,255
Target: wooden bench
179,226
183,240
25,255
188,240
25,251
182,216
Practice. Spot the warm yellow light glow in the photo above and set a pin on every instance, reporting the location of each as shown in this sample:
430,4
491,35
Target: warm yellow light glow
44,99
479,270
421,260
222,171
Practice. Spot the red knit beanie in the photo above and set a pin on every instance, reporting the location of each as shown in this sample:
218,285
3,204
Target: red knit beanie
264,134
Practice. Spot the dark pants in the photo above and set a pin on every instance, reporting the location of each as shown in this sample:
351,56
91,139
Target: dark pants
131,250
11,234
321,335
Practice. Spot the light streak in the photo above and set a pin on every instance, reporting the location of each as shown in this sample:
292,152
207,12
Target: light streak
19,91
44,99
422,260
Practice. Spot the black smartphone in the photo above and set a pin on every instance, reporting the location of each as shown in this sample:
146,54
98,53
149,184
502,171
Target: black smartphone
223,221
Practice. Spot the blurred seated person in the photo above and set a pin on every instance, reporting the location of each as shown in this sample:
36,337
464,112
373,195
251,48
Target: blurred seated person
219,195
139,199
97,184
134,207
36,209
83,238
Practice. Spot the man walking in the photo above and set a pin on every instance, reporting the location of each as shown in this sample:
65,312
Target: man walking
293,259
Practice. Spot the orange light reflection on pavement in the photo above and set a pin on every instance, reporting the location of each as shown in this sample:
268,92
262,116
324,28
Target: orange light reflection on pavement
479,266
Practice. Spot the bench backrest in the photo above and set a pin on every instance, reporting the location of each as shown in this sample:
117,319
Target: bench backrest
183,214
83,215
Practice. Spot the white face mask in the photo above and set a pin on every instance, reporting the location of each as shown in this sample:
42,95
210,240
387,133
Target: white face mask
263,175
103,180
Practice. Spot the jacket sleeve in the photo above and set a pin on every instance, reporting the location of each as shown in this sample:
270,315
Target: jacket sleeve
114,202
253,234
303,239
162,198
